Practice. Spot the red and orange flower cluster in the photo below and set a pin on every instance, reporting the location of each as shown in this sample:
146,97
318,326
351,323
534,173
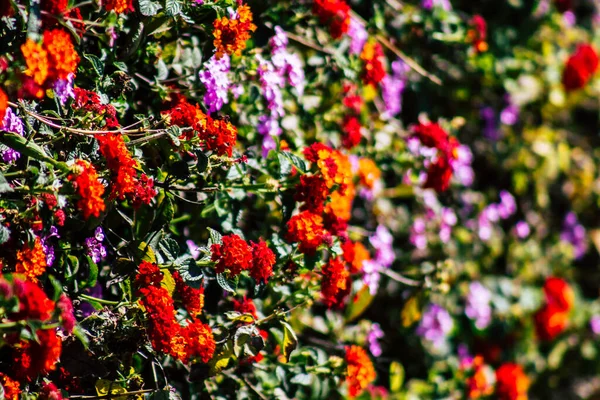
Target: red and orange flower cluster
373,63
360,370
580,68
511,382
192,341
552,318
54,58
335,13
89,188
232,33
125,181
478,34
218,135
235,255
119,6
31,261
3,104
440,171
481,383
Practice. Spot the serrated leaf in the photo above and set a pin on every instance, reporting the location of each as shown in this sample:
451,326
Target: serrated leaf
302,379
215,237
235,316
221,359
242,335
149,8
172,8
229,285
97,64
169,248
168,282
4,234
146,253
190,272
285,165
299,163
290,341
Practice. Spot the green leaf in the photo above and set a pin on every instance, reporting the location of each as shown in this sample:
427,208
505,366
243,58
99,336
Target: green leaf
172,8
4,234
242,335
215,237
97,64
285,166
229,285
221,359
146,253
302,379
149,8
92,274
362,300
166,212
396,376
290,341
190,272
299,163
169,248
5,186
29,149
202,162
235,316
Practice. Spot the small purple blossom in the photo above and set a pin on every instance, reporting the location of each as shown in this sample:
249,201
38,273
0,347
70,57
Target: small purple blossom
595,324
430,4
522,229
418,237
95,249
373,339
358,36
63,88
392,87
574,233
371,275
462,166
490,124
510,115
478,306
507,206
436,325
279,41
11,123
193,248
382,241
215,80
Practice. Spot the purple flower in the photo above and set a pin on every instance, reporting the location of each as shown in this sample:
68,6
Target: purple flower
417,234
507,206
271,82
63,88
358,36
392,87
95,249
382,241
373,339
490,125
573,232
215,80
193,248
430,4
522,229
478,306
435,325
371,275
462,166
509,115
10,123
569,18
595,324
279,41
484,227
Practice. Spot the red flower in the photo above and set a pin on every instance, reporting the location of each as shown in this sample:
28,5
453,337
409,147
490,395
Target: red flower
355,253
245,306
432,135
559,294
263,260
33,358
89,189
373,63
219,136
144,191
183,114
148,275
191,298
50,392
478,35
89,101
162,326
511,382
67,316
307,229
234,254
335,13
360,370
553,317
313,191
351,128
33,302
119,6
3,104
12,388
335,281
200,341
439,174
580,68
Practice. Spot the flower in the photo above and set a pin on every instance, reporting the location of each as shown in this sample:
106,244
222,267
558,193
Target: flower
435,325
375,333
358,36
144,191
580,68
245,306
553,317
119,6
219,136
95,249
63,88
67,317
334,282
90,102
481,383
263,260
307,229
33,302
11,123
511,382
12,388
162,326
355,254
383,242
216,82
232,33
120,162
37,357
148,274
373,63
3,105
62,57
478,306
351,129
335,13
392,87
313,191
595,324
200,342
430,4
191,298
233,254
50,392
31,261
478,34
89,189
575,234
36,58
360,371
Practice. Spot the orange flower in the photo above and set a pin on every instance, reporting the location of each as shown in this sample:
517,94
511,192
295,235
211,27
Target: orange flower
219,135
89,188
232,33
31,262
341,203
200,341
12,388
3,105
334,165
191,298
479,384
37,61
334,285
33,358
355,253
360,370
511,382
373,63
62,57
120,162
307,229
118,6
368,172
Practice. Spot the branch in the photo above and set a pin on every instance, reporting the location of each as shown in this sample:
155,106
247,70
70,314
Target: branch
399,278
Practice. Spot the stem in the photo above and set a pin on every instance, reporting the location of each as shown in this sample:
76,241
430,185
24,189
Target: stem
114,395
97,300
8,325
399,278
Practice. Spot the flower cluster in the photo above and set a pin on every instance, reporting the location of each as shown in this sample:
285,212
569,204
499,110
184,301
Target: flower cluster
88,187
360,370
552,318
235,256
231,33
333,13
580,68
